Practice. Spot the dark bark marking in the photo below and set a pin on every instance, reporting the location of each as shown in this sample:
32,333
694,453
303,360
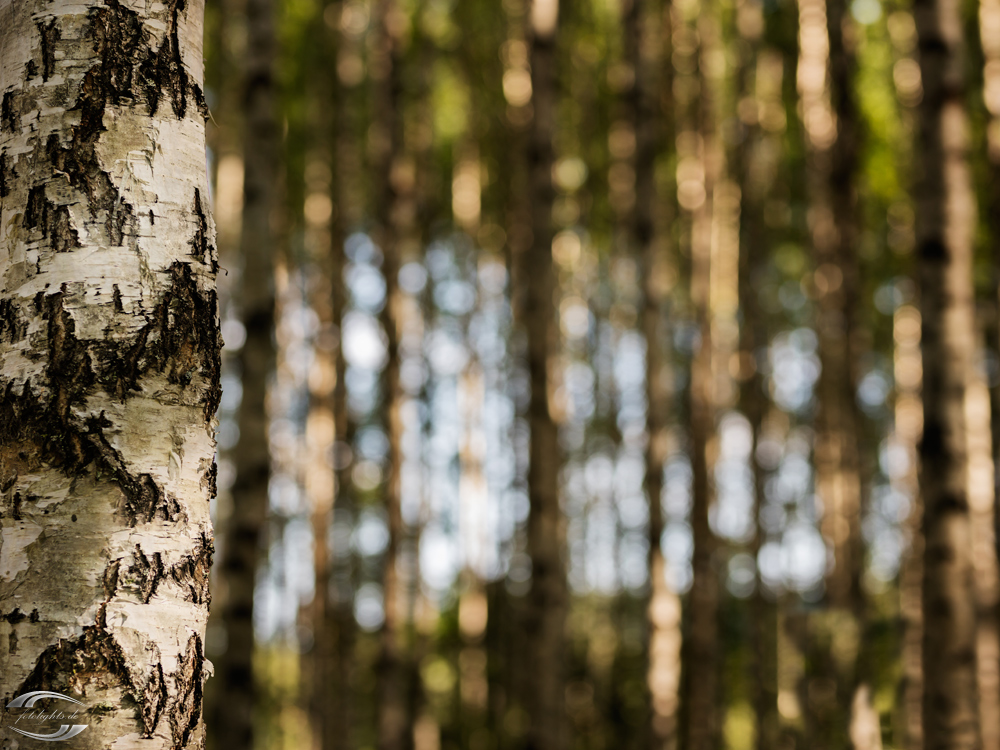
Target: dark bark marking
14,616
146,572
30,70
62,234
110,579
128,71
131,69
164,70
95,658
65,445
144,499
80,164
181,339
70,371
120,77
192,572
10,121
74,663
53,220
120,41
50,37
211,479
35,209
154,698
6,174
199,100
116,298
201,248
12,642
186,711
13,326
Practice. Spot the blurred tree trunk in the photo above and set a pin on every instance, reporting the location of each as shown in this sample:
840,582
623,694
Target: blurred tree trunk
244,529
545,615
340,701
907,371
983,549
324,241
826,68
701,163
340,626
989,26
989,29
834,228
109,366
945,222
663,609
224,21
393,183
754,188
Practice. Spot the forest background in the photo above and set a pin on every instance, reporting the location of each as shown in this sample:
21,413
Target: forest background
572,388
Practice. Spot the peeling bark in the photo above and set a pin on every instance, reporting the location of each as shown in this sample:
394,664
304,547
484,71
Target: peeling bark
109,366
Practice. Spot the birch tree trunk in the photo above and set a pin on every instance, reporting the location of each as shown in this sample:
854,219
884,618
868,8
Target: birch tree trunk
241,551
946,218
109,366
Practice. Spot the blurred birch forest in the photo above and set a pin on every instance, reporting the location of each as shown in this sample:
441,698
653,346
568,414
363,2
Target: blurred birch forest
606,374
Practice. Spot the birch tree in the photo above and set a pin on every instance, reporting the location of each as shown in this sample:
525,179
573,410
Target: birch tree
109,366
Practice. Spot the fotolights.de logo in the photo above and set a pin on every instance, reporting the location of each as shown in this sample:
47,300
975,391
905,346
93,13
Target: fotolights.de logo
28,700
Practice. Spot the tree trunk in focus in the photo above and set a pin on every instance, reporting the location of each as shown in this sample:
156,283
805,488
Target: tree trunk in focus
946,218
109,367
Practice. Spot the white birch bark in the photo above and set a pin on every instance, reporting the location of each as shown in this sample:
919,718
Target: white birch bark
109,366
